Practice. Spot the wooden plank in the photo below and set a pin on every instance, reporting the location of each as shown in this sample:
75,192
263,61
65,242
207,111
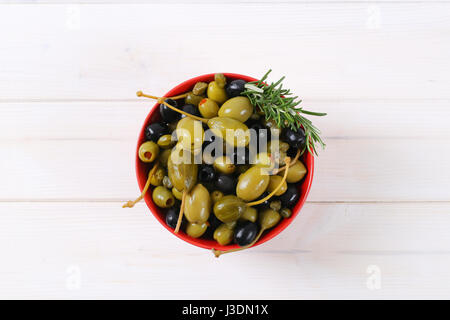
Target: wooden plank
347,119
349,170
326,50
98,250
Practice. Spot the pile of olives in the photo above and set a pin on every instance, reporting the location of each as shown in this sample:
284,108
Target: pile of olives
231,196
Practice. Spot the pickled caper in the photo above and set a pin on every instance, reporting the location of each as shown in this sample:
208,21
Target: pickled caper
167,183
165,141
275,205
158,176
220,79
199,88
216,196
285,212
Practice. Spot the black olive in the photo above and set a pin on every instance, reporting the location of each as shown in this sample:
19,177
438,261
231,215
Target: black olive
226,184
172,216
290,197
241,156
295,139
155,130
213,221
292,152
245,233
265,204
262,135
191,109
234,88
206,174
168,114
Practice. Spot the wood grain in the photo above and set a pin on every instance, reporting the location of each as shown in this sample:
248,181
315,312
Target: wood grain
107,51
325,253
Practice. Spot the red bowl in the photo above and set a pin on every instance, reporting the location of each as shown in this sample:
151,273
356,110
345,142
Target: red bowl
142,170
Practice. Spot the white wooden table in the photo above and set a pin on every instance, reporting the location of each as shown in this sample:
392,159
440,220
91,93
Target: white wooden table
377,221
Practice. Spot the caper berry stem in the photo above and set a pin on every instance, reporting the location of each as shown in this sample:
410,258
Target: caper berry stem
218,253
130,204
162,100
287,160
297,156
180,215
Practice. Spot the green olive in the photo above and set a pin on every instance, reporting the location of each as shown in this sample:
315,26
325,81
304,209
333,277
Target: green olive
158,176
193,99
231,224
198,205
224,165
190,133
216,196
183,175
238,133
274,183
199,88
162,197
165,141
238,108
164,157
252,183
275,205
285,212
216,93
177,194
220,79
196,230
295,173
223,234
250,214
268,218
208,108
229,208
148,151
167,183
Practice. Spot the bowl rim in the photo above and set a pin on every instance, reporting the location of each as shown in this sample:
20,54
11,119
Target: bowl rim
304,187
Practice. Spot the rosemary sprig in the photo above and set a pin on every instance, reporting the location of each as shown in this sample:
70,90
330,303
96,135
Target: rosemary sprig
278,104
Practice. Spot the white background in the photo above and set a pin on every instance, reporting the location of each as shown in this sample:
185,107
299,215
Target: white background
377,221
